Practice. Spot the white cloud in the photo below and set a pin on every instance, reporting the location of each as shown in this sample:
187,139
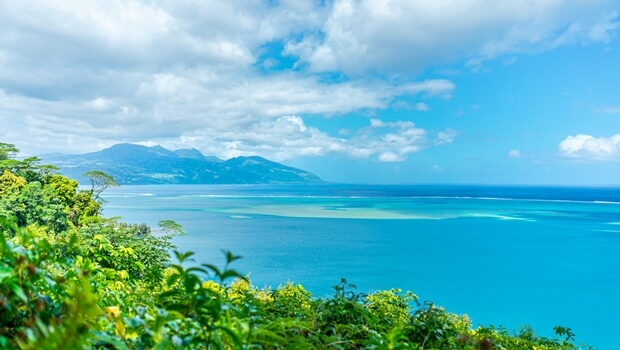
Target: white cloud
138,71
445,137
390,157
396,36
297,121
421,106
91,126
376,123
101,104
289,137
168,105
584,146
514,154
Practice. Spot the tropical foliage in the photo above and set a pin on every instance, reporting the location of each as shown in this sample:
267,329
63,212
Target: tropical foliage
70,279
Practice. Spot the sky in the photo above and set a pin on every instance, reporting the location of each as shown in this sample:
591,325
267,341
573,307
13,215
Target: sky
366,91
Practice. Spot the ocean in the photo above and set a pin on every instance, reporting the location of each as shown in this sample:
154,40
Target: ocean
510,256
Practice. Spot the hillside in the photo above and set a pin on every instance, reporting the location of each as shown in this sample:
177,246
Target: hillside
132,164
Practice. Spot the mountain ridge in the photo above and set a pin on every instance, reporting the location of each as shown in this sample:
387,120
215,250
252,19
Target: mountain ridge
132,164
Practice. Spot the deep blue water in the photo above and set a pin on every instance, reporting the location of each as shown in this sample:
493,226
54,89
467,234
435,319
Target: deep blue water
542,256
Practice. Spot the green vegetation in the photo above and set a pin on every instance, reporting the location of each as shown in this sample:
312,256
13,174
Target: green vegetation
70,279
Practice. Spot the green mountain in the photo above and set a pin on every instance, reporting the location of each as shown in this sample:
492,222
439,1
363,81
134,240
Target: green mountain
131,164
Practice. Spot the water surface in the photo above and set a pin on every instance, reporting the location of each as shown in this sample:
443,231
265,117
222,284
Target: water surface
542,256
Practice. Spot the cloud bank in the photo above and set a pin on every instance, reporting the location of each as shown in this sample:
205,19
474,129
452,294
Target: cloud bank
582,146
288,137
396,36
233,79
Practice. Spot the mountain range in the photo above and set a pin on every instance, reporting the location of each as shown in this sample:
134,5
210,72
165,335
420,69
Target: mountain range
131,164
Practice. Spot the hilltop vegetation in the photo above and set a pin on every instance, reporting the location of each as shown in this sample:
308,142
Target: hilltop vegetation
71,279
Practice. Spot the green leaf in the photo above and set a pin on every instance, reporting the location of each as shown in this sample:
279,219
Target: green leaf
176,307
5,272
112,340
197,269
190,283
213,268
232,274
163,345
168,294
19,292
172,279
181,257
230,257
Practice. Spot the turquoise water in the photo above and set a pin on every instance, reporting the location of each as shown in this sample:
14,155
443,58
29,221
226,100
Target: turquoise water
503,255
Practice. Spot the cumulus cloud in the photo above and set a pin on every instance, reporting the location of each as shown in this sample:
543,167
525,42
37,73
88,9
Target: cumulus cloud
289,137
390,157
445,137
584,146
514,154
406,36
167,105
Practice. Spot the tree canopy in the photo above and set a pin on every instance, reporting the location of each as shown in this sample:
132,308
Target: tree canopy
7,151
100,182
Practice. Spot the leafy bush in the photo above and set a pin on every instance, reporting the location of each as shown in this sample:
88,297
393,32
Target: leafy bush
125,248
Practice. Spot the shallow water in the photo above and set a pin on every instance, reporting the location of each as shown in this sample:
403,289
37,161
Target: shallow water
503,255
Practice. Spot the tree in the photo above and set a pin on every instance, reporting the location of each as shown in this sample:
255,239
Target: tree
170,227
63,188
7,151
100,181
29,168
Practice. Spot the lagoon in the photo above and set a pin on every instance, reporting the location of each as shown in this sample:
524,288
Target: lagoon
511,256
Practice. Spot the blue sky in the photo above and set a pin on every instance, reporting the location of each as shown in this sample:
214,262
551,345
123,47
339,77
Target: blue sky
471,91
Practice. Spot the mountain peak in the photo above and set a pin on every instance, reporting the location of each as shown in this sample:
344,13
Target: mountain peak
130,150
189,153
139,165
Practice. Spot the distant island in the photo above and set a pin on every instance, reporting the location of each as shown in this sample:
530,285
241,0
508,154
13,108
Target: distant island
132,164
